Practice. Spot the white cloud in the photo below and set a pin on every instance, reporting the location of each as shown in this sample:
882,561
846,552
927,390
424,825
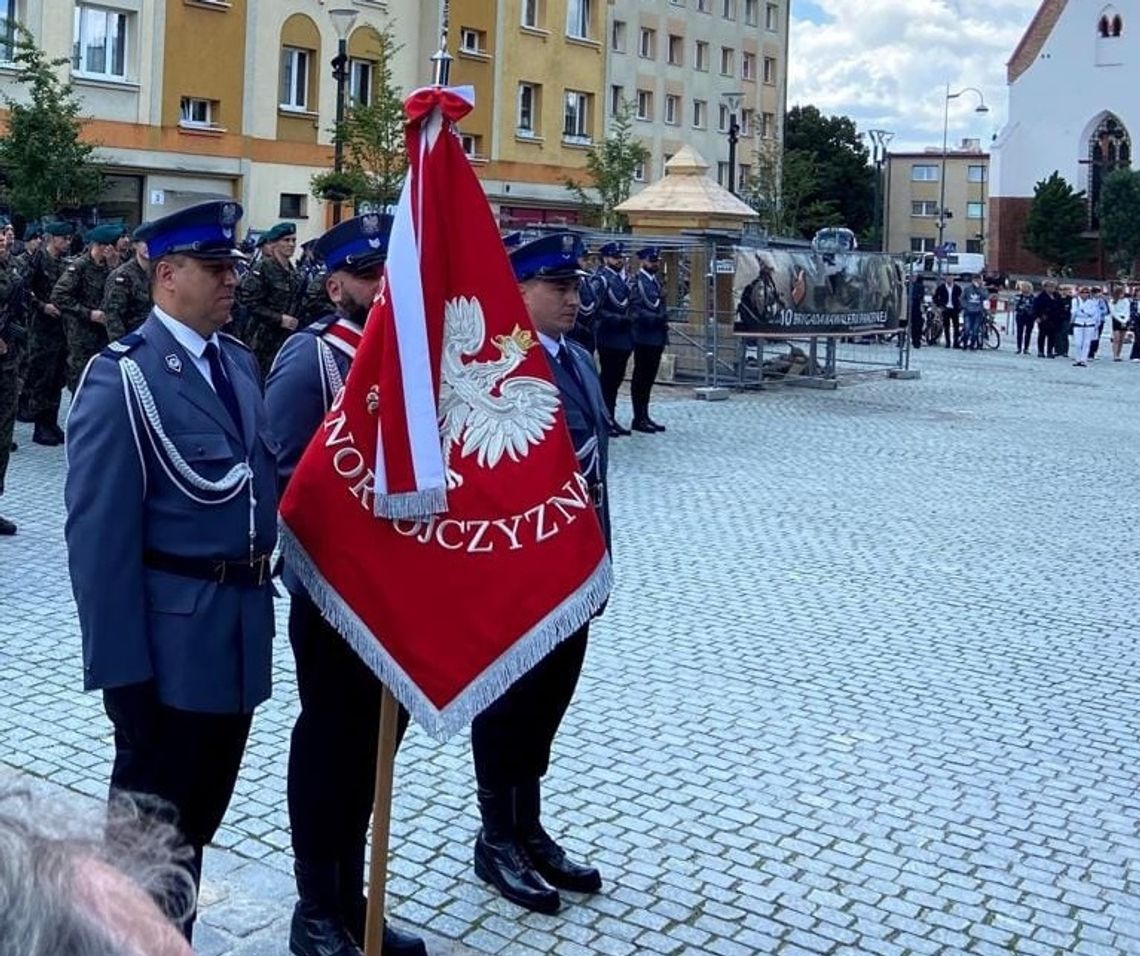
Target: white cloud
886,63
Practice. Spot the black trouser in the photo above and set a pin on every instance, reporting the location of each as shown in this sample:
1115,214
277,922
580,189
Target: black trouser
613,363
1061,338
1135,353
916,324
1024,332
646,362
950,322
332,759
188,760
1094,346
511,739
1046,333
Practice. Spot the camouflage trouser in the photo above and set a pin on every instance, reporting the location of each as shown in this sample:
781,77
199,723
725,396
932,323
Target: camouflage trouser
84,341
266,342
47,367
9,393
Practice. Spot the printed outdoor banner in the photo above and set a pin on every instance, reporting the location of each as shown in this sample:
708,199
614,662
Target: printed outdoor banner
800,293
439,517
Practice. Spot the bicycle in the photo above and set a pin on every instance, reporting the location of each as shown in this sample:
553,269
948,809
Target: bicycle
988,336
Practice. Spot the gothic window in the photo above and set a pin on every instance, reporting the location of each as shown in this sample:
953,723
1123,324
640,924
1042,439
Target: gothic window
1109,148
1109,28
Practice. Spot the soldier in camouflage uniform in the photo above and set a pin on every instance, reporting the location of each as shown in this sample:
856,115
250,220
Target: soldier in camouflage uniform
11,331
126,301
79,297
47,342
270,292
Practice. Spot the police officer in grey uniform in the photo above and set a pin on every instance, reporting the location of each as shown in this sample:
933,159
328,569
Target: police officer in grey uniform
171,518
332,759
511,740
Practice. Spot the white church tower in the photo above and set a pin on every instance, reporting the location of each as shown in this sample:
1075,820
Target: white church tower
1074,107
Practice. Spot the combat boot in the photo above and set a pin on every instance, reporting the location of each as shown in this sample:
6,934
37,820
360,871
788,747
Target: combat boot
354,912
46,432
317,928
501,860
547,856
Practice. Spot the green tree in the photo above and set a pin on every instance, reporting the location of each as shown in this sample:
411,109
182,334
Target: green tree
375,157
46,166
1056,220
1120,218
784,188
843,192
610,168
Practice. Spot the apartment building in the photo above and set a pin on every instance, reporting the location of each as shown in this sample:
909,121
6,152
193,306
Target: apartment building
914,194
538,69
684,67
191,100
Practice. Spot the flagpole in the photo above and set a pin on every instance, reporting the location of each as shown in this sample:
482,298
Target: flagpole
381,825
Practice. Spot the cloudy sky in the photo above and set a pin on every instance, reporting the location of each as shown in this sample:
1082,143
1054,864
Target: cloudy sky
886,63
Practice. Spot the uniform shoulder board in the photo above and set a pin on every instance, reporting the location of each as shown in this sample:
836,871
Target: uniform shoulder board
124,346
234,340
321,326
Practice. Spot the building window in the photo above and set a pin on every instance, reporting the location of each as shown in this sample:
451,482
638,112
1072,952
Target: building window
197,112
472,41
676,50
293,206
639,172
647,43
922,243
9,17
576,119
751,12
360,73
722,173
744,174
728,9
975,210
924,207
772,18
1110,24
528,109
672,109
617,36
701,56
746,122
700,113
748,66
974,245
923,174
727,61
472,145
617,98
704,6
723,119
975,174
770,70
294,78
578,19
532,14
767,125
100,47
644,104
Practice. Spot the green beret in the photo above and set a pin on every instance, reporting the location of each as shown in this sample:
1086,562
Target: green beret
59,229
281,231
105,235
32,232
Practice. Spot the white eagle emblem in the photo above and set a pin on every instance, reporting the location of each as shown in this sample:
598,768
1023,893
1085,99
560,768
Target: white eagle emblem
481,409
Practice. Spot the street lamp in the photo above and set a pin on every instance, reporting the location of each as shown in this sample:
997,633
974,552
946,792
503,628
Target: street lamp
980,108
880,140
733,101
342,21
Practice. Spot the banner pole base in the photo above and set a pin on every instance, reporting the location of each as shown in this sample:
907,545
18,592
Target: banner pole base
381,825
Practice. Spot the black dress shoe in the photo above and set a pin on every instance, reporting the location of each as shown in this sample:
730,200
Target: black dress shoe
7,527
657,426
616,430
643,425
508,868
45,435
557,869
23,416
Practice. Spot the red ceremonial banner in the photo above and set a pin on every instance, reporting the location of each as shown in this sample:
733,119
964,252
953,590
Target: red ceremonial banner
438,517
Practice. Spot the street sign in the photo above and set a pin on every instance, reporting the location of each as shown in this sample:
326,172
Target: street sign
725,267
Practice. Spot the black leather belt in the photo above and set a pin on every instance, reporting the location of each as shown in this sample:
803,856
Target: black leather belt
245,573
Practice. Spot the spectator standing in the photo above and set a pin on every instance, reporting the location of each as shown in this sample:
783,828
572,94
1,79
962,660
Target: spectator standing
1048,311
1120,308
973,313
1104,310
1025,311
1084,315
917,301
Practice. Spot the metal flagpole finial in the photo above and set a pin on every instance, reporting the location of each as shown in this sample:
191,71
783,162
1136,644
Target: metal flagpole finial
441,60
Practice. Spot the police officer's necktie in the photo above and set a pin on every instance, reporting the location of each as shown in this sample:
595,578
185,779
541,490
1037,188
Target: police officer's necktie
222,385
566,360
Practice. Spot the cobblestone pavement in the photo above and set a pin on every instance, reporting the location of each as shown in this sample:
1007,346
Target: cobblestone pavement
868,685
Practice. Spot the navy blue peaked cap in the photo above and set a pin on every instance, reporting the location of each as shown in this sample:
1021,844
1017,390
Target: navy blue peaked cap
355,245
205,231
553,256
613,250
649,254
